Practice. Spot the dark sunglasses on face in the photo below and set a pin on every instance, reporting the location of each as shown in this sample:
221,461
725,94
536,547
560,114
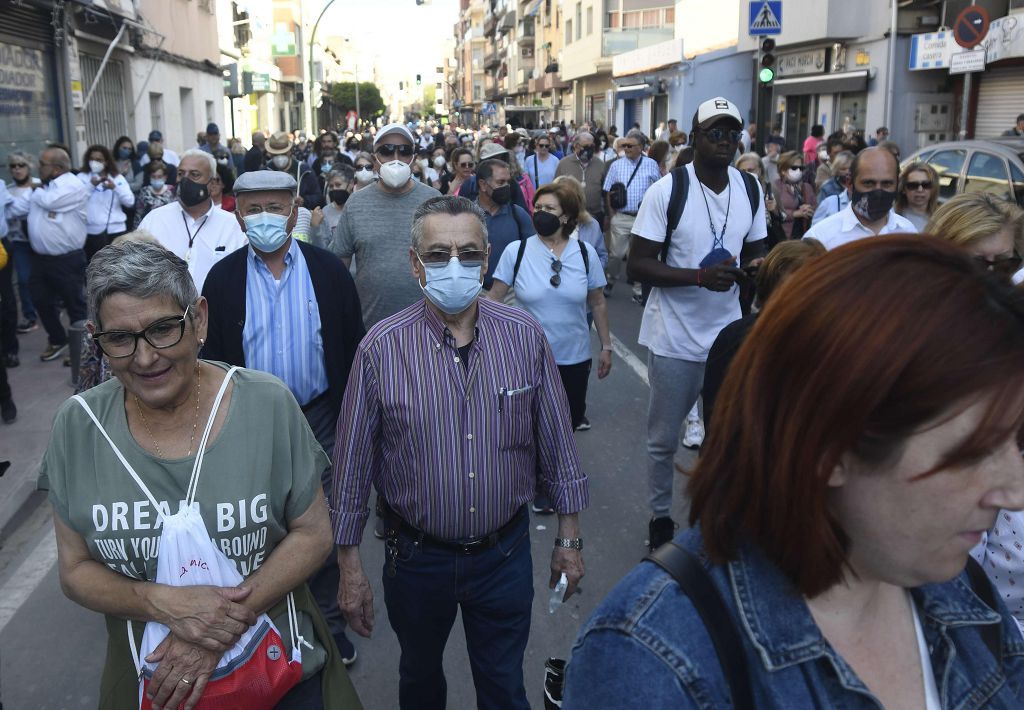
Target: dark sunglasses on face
388,150
923,185
717,135
543,145
471,258
1005,265
12,166
364,166
467,166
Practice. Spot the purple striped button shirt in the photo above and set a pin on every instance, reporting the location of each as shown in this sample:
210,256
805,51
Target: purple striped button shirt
456,453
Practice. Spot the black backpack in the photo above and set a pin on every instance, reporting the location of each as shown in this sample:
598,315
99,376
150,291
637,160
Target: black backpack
680,191
522,250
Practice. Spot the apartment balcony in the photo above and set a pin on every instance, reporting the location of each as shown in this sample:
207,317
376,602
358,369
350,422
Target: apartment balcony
508,22
527,31
617,41
547,82
492,60
490,24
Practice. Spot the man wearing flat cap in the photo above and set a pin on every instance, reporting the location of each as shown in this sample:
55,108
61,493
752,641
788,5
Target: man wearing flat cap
291,309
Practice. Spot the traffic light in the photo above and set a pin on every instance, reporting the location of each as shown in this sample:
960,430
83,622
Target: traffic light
418,80
766,74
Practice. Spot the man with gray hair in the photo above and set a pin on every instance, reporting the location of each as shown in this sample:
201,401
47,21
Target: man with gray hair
56,212
455,413
581,164
192,227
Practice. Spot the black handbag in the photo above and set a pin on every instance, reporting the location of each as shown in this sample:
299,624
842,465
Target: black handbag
617,197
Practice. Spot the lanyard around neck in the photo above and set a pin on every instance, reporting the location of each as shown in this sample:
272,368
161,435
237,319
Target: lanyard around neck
718,240
192,237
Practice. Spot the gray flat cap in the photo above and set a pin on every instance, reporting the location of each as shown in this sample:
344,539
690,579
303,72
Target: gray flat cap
264,181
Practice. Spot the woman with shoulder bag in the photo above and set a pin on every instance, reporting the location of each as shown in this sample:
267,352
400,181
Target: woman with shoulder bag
795,196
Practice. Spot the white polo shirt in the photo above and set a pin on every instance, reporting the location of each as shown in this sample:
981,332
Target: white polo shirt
843,227
213,236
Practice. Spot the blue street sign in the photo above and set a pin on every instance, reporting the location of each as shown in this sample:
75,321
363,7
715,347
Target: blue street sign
765,17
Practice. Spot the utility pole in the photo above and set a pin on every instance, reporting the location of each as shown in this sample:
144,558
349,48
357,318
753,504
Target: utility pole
310,114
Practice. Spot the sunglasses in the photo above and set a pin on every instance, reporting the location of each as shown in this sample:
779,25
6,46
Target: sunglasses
363,166
717,135
1006,266
17,165
471,258
467,165
388,150
923,185
556,278
543,145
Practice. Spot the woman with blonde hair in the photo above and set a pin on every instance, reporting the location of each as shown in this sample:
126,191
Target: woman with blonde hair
989,228
917,193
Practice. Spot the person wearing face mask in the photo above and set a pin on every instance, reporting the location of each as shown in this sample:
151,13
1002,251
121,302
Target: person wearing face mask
218,150
157,193
822,166
111,195
127,161
454,362
192,227
874,177
279,152
374,222
326,155
363,173
324,220
506,223
494,151
582,164
439,161
795,196
421,169
289,308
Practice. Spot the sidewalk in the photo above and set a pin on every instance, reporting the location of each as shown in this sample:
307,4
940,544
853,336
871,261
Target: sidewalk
38,388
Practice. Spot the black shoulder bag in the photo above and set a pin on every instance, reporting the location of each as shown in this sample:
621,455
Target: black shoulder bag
617,197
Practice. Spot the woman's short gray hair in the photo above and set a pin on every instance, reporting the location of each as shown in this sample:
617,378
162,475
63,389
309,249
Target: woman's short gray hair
450,205
139,269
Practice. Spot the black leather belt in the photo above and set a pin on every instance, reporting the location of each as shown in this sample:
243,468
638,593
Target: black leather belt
395,525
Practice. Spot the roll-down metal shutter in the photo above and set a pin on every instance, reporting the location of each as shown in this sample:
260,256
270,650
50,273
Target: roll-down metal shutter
1000,101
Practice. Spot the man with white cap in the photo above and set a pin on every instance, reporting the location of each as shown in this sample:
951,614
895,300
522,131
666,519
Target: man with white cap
716,214
192,227
374,227
289,308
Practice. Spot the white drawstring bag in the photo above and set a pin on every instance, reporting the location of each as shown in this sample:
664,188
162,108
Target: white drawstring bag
254,673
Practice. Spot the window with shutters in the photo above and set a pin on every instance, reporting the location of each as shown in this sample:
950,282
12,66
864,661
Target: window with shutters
106,116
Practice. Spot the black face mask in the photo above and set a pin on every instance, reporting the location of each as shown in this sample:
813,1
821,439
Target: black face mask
191,193
586,154
872,205
338,197
502,195
546,223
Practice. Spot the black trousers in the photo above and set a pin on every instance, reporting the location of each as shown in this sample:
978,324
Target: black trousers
8,306
60,277
95,242
575,379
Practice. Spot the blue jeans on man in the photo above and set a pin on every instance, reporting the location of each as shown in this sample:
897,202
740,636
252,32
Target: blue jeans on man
494,590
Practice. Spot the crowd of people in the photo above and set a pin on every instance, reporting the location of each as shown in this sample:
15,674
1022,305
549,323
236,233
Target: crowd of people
409,308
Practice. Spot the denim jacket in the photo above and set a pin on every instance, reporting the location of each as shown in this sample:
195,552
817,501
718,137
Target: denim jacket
646,647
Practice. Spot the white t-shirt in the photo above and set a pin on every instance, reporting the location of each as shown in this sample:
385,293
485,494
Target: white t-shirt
214,235
683,322
931,688
562,311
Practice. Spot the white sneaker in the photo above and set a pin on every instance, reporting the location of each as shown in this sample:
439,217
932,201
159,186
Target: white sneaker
694,433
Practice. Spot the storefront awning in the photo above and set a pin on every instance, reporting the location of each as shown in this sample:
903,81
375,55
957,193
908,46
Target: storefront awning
533,8
632,91
834,83
521,109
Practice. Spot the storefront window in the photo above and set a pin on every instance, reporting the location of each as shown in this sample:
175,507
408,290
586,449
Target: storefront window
29,110
852,112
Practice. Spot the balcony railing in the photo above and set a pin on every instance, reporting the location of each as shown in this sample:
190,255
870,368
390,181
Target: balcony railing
527,31
614,41
491,61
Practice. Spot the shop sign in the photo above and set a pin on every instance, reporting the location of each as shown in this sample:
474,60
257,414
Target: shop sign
964,62
1005,39
22,79
809,62
932,50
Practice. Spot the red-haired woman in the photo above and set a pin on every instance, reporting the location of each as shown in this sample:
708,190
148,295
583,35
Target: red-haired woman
859,452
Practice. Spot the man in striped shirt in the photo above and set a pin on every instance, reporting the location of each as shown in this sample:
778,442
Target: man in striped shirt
456,414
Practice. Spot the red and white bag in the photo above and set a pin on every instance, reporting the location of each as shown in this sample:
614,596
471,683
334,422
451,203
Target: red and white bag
255,673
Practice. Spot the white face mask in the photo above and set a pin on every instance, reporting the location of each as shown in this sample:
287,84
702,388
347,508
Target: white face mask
395,174
364,176
424,163
96,166
823,156
794,174
439,162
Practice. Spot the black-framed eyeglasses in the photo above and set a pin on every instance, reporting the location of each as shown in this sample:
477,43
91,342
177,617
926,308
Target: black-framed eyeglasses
471,258
923,185
388,150
1003,265
162,334
717,135
556,278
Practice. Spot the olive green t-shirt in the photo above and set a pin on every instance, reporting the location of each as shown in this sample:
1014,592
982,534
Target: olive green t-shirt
260,472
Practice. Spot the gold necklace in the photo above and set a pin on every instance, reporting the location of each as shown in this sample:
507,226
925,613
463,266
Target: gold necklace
195,424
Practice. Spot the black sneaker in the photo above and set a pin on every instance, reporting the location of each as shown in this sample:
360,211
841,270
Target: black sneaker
27,326
53,352
660,531
11,360
345,648
554,683
8,412
584,425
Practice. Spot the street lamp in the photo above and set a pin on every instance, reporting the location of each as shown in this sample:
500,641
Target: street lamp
309,113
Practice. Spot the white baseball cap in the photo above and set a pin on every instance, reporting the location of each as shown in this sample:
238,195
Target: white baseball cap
714,109
393,128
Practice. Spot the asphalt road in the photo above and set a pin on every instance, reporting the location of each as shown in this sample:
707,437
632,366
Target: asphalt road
52,651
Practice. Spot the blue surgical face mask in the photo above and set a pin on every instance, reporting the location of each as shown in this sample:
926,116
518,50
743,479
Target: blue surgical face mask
157,183
266,232
452,287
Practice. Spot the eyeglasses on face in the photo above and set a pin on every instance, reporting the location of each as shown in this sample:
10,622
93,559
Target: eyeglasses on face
471,258
364,166
543,145
717,135
556,278
1003,265
922,185
388,150
164,333
272,208
15,166
467,166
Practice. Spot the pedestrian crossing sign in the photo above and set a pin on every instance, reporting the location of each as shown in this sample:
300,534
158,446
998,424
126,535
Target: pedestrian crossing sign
765,17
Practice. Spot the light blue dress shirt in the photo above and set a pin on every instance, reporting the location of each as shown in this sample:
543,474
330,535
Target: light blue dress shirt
282,333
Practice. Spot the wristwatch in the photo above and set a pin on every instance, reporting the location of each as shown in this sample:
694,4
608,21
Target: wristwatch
606,348
571,543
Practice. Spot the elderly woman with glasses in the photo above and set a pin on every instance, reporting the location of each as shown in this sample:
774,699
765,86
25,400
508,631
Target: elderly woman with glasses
261,500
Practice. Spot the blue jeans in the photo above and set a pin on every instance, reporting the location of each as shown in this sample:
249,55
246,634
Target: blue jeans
21,252
494,589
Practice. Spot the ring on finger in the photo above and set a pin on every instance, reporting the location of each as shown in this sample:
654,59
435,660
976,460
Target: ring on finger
185,680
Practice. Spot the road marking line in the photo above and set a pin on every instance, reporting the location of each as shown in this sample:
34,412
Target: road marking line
27,577
634,363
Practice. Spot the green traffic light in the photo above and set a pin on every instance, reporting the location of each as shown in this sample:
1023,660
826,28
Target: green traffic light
766,75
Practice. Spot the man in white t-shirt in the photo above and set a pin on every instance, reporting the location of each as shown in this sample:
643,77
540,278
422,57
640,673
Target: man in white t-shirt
874,177
695,293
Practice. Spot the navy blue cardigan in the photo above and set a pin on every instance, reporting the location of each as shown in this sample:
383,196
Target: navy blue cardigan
341,316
